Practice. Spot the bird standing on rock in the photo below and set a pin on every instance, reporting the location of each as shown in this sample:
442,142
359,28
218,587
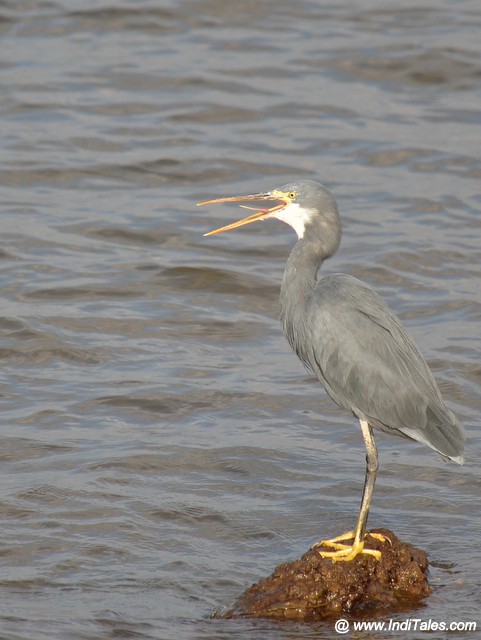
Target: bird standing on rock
345,333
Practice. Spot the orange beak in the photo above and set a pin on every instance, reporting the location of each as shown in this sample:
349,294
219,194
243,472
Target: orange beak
261,214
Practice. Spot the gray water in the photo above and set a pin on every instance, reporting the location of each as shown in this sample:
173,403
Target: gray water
161,447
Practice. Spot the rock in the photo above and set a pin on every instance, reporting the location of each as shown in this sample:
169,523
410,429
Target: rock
315,588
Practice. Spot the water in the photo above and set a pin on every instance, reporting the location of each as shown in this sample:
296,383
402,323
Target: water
161,447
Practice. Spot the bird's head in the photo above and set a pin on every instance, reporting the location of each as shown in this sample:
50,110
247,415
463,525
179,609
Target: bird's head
307,206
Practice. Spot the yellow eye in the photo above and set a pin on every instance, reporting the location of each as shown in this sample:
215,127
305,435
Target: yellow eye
292,195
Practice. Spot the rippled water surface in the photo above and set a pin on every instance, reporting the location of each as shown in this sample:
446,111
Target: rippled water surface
161,447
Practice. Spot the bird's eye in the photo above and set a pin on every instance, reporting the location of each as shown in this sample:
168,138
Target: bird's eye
292,195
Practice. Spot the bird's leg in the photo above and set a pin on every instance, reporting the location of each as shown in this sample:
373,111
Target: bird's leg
343,550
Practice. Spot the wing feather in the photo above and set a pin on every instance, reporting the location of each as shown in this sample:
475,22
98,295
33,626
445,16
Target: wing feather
370,365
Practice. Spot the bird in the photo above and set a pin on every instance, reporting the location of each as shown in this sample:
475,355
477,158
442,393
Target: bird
348,337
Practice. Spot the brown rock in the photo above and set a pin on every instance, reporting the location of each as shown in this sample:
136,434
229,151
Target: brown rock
315,588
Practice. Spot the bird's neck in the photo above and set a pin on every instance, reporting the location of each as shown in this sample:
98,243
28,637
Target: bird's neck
298,284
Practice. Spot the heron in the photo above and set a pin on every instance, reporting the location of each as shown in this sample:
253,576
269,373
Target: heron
346,334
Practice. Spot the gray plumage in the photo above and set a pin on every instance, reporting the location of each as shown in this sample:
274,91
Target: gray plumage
346,334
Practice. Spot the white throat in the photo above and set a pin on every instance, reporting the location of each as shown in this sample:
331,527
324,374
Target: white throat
295,216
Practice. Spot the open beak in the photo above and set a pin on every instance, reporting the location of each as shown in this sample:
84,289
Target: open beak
261,214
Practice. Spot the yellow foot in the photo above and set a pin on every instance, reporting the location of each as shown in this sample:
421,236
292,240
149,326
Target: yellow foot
346,552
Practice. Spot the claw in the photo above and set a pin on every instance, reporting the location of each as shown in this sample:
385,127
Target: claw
346,552
380,536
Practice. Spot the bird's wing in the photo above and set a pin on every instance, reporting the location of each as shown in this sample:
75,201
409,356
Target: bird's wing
370,365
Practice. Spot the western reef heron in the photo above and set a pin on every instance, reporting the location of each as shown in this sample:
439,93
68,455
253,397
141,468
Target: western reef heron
345,333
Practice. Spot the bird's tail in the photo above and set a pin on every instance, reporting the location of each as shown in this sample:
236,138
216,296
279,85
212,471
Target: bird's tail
445,434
